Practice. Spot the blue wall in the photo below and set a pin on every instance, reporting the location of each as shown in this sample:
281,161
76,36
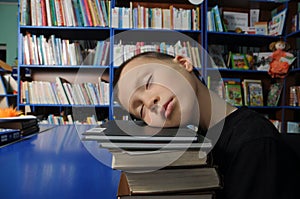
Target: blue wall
9,29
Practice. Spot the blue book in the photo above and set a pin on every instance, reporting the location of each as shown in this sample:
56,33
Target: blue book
218,20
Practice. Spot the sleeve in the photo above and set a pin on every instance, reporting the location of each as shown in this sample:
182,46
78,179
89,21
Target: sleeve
254,171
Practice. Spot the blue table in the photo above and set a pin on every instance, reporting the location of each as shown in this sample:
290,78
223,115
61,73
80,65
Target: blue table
57,164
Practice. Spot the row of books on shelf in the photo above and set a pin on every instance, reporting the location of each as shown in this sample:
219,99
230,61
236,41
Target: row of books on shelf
245,61
38,50
65,12
15,128
63,92
69,120
221,20
157,18
157,163
248,92
123,52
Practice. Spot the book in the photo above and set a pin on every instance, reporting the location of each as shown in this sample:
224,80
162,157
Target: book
62,96
27,125
9,135
274,94
144,160
253,92
239,61
21,122
233,91
169,181
217,18
137,131
153,146
235,20
277,23
289,60
262,60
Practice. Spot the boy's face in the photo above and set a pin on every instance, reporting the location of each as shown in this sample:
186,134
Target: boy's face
162,93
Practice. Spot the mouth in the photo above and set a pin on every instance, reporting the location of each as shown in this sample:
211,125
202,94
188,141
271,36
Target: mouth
168,108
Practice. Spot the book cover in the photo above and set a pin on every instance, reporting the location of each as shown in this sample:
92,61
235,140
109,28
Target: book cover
253,92
235,20
239,61
233,91
169,181
274,94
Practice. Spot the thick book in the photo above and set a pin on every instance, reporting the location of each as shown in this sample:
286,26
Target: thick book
169,181
154,146
20,122
144,160
131,135
181,196
124,130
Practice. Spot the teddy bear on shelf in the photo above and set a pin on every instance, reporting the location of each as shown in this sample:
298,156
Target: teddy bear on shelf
280,59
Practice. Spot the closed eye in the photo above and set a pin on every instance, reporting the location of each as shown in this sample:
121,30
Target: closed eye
148,83
141,111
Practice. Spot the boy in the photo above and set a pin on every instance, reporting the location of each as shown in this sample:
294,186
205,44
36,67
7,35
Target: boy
252,159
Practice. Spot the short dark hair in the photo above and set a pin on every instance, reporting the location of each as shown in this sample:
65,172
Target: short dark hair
151,55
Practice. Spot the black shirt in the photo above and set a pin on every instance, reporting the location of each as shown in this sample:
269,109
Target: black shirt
253,161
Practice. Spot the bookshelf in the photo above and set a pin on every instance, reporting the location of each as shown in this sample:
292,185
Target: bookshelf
240,42
103,25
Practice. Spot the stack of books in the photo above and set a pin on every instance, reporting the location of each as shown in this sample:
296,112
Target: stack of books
27,125
158,163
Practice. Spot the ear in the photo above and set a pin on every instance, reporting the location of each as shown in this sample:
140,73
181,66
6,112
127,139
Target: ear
185,62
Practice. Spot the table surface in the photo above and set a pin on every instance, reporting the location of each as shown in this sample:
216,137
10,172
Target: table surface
55,164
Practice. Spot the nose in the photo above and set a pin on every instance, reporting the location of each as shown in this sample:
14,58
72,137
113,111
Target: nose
152,102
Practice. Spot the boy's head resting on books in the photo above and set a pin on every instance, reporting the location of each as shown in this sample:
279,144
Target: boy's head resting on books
160,89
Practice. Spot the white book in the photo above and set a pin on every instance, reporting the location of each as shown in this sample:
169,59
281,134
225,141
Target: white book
118,54
157,18
166,15
126,17
115,17
48,13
